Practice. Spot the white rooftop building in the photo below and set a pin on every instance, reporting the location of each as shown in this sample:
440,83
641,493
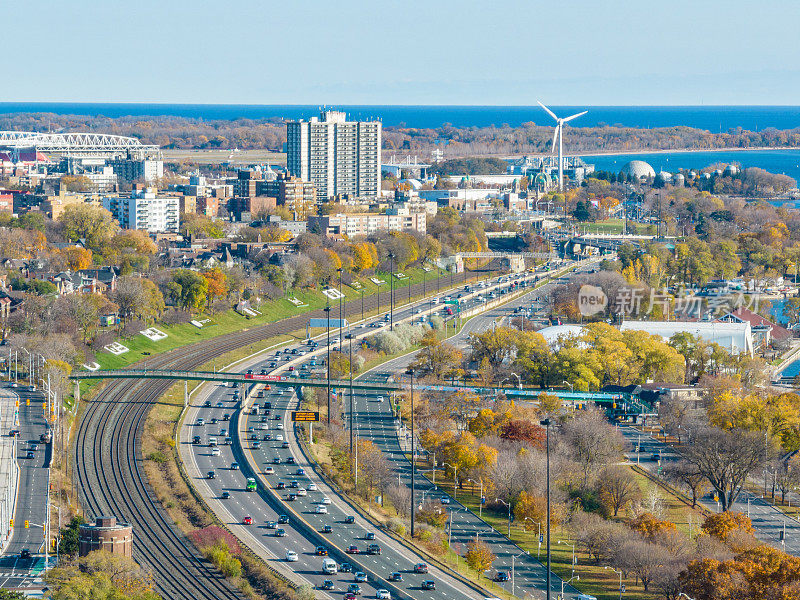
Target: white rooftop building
145,210
736,338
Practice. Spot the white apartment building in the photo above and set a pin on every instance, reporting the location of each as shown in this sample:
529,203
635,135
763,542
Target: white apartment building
363,224
336,155
145,210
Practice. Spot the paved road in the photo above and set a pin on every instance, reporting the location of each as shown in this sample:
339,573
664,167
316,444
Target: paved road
768,521
374,421
31,503
264,507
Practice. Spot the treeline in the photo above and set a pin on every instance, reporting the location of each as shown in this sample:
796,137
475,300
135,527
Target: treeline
183,132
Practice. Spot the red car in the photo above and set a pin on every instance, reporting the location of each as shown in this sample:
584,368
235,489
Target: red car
247,520
352,549
350,596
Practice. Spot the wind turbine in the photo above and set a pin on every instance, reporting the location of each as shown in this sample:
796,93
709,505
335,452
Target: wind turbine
559,133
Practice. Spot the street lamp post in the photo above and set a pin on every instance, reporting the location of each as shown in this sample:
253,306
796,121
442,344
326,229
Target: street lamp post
573,553
362,304
455,477
391,291
563,583
620,580
538,535
546,424
507,505
480,502
410,373
514,557
571,387
352,412
341,317
328,360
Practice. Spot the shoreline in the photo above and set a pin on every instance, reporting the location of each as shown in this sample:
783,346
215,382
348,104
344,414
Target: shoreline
648,151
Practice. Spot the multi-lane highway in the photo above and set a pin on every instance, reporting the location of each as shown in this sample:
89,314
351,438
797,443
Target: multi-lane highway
33,457
306,527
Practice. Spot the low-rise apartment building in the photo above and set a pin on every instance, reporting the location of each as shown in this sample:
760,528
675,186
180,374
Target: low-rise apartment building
363,224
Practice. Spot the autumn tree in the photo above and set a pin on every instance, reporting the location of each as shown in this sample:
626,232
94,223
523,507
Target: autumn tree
215,284
77,258
138,298
88,222
592,442
479,556
688,476
187,289
722,525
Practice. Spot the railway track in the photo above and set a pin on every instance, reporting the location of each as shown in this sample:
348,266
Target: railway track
110,478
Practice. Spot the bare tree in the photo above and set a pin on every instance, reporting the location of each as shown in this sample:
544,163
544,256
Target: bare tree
592,442
617,487
725,458
687,475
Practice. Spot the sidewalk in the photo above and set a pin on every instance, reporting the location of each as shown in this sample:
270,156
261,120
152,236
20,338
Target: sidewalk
9,471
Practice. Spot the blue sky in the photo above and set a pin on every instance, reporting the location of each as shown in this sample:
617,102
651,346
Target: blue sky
606,52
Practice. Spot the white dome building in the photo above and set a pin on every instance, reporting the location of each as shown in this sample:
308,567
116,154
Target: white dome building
638,169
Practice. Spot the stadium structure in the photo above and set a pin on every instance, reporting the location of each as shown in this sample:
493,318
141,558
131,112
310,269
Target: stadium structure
22,145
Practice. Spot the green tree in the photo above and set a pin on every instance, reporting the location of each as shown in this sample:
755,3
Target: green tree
187,289
87,222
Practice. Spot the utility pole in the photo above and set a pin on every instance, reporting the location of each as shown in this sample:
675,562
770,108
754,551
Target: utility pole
546,424
410,372
341,318
391,291
328,361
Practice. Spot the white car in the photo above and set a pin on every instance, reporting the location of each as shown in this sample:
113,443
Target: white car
279,437
325,500
381,398
269,471
215,451
322,509
291,556
279,426
301,492
383,595
201,421
436,300
312,487
445,500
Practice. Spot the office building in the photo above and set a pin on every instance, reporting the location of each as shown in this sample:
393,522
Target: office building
339,157
145,210
130,170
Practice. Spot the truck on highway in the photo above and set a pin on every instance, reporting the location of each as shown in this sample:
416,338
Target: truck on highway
329,566
251,484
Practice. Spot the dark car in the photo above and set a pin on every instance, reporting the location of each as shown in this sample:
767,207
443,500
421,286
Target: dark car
280,533
369,536
290,460
428,585
281,485
420,568
349,519
327,529
285,445
327,585
396,576
291,497
25,553
373,549
225,495
345,567
354,588
321,551
196,439
283,519
501,576
30,454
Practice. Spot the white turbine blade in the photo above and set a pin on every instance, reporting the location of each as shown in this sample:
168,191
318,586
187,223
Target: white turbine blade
555,137
548,111
580,114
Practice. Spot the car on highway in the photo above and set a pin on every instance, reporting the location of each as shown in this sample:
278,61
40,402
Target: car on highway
225,495
302,492
281,485
220,405
395,576
196,439
291,497
501,576
428,584
279,438
291,556
201,421
360,577
211,475
420,568
345,567
283,519
327,584
354,588
234,466
321,551
373,549
276,460
207,403
349,519
383,594
284,444
280,533
350,596
321,510
302,471
269,471
325,499
327,529
24,554
312,487
247,520
369,535
445,500
353,549
290,460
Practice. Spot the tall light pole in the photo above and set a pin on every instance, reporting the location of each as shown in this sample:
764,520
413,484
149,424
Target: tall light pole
352,412
514,557
391,291
563,583
328,360
410,373
455,477
507,505
480,503
341,317
620,580
573,554
546,424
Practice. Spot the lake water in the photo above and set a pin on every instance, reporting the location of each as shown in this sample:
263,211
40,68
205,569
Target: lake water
712,118
786,162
